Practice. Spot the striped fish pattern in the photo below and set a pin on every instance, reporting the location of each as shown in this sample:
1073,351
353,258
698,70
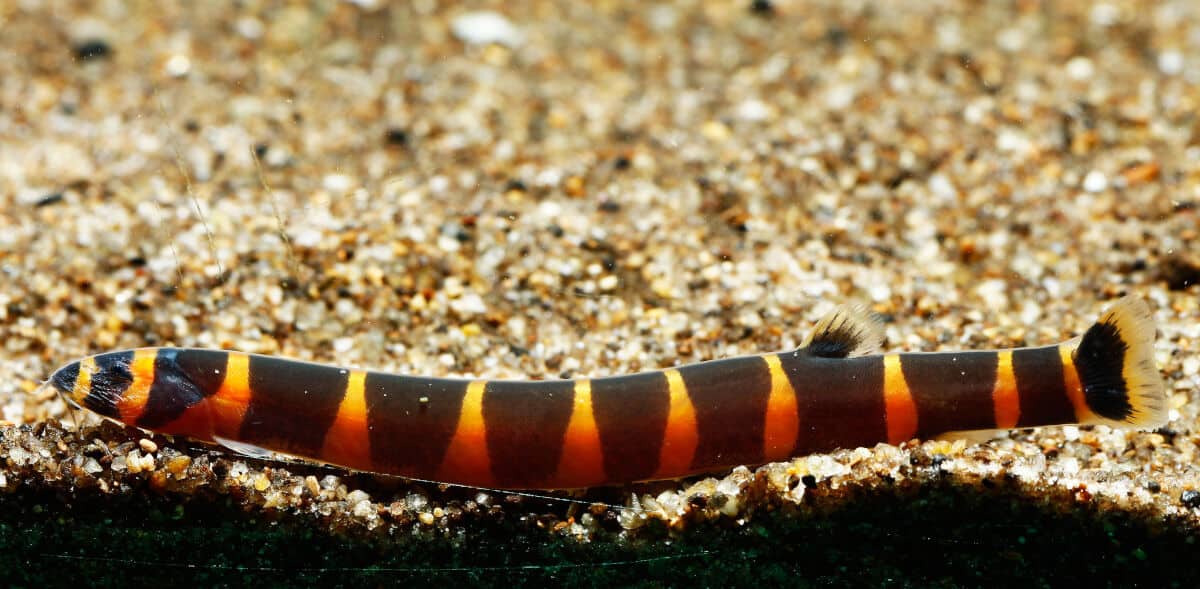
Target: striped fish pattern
833,392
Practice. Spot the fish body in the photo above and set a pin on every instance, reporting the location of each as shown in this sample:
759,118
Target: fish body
835,391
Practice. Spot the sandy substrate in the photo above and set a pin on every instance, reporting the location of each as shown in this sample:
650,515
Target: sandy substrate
592,189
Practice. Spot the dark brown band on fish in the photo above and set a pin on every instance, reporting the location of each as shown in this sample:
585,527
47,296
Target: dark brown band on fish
729,398
840,401
952,391
631,417
292,404
410,420
1040,385
525,426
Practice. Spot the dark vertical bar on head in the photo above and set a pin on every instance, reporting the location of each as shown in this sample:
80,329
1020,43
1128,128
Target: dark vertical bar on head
109,382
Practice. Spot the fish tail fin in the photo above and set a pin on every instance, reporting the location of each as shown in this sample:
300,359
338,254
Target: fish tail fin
1115,361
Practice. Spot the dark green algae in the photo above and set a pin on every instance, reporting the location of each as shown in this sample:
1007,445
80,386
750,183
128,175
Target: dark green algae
942,534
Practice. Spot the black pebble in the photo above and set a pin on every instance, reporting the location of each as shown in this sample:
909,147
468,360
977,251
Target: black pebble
49,199
396,137
763,7
1190,499
837,36
92,49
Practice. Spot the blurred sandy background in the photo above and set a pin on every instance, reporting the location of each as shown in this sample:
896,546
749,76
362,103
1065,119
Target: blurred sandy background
552,189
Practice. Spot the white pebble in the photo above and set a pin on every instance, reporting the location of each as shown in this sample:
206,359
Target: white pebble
753,110
337,183
1030,313
1105,14
249,27
839,96
879,291
178,66
549,177
19,456
1012,140
663,18
307,238
484,27
1080,68
416,501
133,462
1011,39
448,244
1191,366
1095,181
468,304
14,411
994,293
1069,465
941,187
1170,62
92,466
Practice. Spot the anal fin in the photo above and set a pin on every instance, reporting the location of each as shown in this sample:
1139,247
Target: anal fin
850,330
251,451
974,436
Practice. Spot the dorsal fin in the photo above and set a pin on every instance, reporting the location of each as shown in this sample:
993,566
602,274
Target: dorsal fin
850,330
